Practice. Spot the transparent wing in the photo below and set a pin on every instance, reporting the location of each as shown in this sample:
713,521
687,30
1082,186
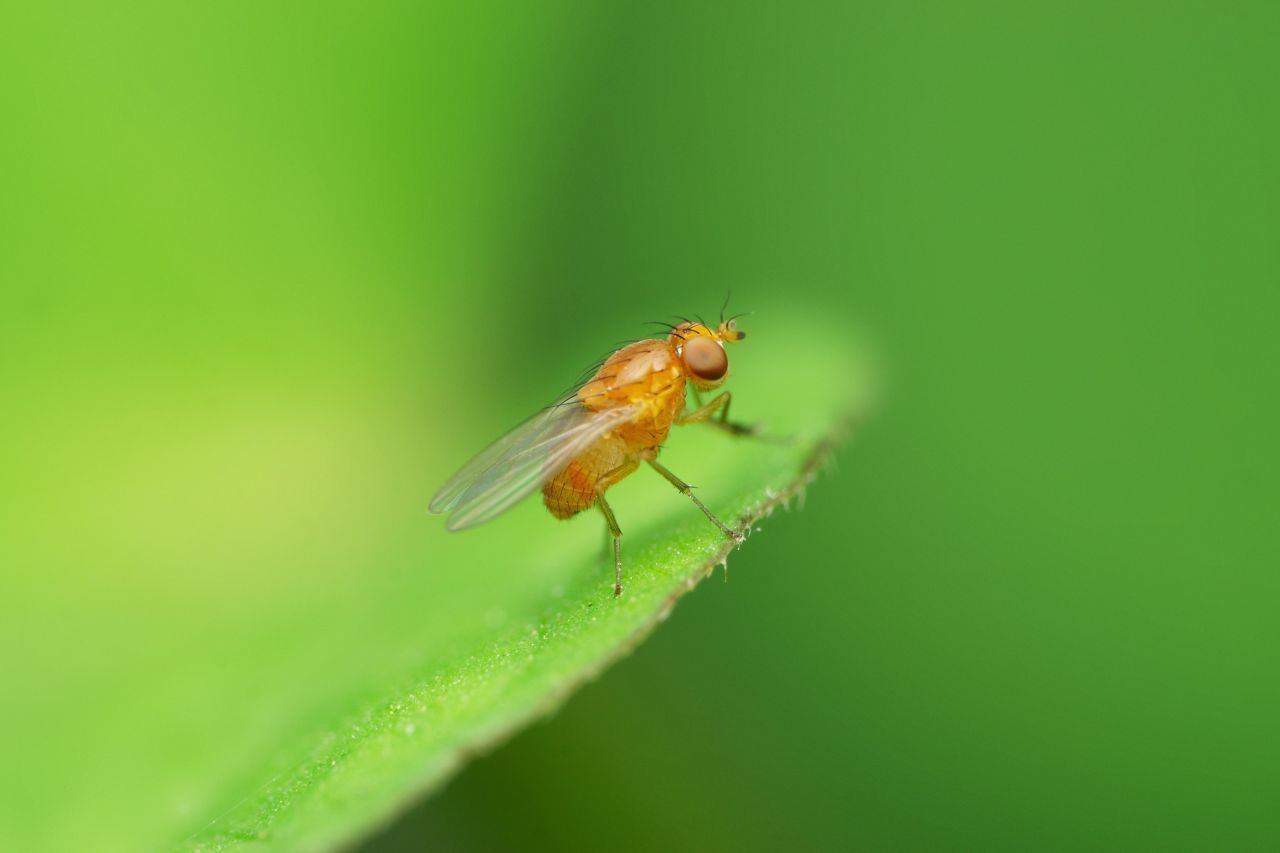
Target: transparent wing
520,462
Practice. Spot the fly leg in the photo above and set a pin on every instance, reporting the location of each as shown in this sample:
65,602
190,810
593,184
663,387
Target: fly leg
604,481
687,490
707,413
616,532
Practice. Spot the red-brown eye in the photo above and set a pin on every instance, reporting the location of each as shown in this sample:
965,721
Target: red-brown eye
705,358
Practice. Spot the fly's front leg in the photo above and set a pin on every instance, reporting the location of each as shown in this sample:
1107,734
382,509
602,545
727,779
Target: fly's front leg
616,532
686,489
719,405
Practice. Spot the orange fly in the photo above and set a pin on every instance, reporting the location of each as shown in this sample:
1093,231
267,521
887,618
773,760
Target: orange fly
600,432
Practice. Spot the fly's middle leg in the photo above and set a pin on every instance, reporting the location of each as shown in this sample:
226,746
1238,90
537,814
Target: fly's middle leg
687,490
616,532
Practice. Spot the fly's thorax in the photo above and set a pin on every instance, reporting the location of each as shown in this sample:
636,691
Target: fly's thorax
637,373
647,374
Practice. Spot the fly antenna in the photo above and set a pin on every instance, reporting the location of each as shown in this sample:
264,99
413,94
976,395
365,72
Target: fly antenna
725,307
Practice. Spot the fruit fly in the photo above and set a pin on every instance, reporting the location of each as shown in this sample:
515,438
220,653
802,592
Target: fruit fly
600,432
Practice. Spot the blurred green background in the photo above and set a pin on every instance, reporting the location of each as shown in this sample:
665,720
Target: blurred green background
268,273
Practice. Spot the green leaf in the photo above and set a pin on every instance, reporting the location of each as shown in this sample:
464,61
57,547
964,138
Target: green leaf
474,685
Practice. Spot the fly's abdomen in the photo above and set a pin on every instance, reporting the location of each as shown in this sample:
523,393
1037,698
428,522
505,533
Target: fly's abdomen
569,492
577,486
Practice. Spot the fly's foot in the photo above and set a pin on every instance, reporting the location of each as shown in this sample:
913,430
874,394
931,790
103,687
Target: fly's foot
738,538
757,432
740,429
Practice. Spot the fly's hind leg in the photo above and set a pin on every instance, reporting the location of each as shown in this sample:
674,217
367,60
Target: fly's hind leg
687,490
608,541
616,533
603,482
707,413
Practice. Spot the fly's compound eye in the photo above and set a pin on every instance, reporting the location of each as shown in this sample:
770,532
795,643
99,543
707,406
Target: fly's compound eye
705,358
